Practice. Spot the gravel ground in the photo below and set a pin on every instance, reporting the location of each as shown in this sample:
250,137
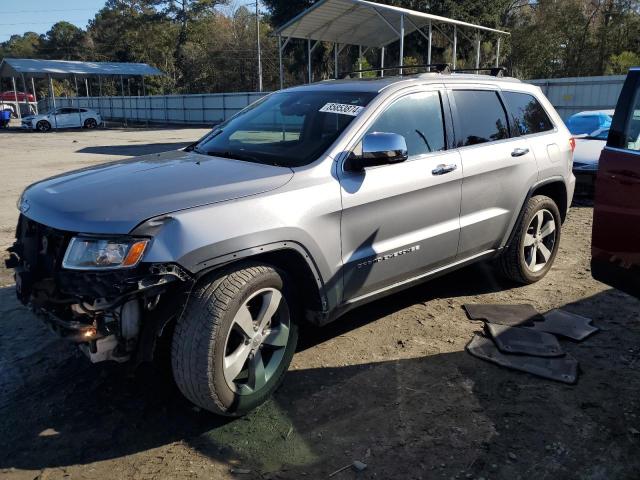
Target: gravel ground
389,384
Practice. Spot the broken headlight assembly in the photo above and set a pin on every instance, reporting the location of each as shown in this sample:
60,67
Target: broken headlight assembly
89,253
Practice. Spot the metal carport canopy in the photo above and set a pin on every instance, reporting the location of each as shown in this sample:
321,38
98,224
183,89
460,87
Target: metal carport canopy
360,22
14,67
371,25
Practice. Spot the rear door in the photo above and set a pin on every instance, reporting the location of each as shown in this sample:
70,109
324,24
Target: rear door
616,220
498,168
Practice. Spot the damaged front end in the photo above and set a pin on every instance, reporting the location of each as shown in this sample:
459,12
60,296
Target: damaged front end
112,313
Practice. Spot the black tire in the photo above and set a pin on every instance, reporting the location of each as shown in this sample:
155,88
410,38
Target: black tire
90,123
516,259
202,337
43,126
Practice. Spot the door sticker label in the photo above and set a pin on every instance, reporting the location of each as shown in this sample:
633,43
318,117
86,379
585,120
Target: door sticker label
342,109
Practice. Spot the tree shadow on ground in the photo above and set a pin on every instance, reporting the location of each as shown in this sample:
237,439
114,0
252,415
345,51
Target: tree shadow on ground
439,415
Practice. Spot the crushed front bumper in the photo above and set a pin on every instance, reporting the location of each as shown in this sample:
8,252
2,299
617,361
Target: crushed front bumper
113,315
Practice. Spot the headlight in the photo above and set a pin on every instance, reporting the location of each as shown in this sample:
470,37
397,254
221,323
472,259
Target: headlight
86,253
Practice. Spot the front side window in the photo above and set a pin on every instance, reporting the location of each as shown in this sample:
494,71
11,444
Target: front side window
288,129
632,131
527,115
481,117
418,118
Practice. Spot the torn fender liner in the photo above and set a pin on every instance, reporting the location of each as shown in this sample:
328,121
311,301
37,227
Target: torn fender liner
524,341
562,369
566,324
512,315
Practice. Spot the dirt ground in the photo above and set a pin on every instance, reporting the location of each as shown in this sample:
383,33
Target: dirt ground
389,385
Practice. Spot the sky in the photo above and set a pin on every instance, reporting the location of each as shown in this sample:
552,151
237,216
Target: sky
19,16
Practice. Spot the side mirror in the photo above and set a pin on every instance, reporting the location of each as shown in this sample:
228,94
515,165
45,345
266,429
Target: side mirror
378,149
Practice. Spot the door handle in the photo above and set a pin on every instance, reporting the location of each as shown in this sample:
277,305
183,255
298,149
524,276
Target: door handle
519,152
442,169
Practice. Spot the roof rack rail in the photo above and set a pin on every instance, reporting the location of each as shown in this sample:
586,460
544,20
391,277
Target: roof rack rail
493,71
437,67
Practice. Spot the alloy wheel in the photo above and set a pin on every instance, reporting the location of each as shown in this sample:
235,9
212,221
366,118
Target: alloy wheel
540,241
256,341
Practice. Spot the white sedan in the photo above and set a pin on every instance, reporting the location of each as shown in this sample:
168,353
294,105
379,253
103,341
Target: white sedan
63,117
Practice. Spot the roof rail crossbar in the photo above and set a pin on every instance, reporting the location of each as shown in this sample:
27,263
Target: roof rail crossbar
437,67
493,71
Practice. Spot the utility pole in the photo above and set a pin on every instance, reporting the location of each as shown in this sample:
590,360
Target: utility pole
259,49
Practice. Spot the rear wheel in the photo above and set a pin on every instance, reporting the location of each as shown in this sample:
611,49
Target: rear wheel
533,250
90,123
43,126
235,341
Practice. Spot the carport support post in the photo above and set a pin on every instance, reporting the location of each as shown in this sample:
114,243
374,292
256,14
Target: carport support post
75,80
35,94
498,53
147,102
359,60
401,44
335,60
53,100
455,45
309,59
430,45
124,111
382,62
26,92
280,60
478,45
15,96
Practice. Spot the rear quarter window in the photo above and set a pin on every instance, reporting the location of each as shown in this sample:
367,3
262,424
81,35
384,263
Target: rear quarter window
527,114
481,117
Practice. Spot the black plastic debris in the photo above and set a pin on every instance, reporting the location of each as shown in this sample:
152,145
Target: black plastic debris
524,341
562,369
512,315
566,324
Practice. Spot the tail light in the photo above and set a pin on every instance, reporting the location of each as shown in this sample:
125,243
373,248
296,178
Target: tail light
572,144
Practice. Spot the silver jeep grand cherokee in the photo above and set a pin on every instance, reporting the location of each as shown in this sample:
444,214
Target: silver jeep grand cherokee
306,204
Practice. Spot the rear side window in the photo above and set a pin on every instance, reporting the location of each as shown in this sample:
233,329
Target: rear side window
418,118
481,117
527,115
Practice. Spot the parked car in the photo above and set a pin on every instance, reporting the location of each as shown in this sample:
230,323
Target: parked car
590,129
616,219
64,117
10,96
308,203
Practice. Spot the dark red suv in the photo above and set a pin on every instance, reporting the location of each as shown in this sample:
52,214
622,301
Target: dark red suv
616,222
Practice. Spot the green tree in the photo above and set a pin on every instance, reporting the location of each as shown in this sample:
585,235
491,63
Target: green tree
620,64
65,41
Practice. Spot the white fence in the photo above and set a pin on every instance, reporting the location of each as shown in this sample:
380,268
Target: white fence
568,95
206,109
573,95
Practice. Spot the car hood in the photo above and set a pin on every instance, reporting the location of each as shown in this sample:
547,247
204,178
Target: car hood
588,152
115,197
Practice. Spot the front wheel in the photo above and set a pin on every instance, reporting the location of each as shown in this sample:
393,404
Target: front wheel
232,346
535,244
90,123
43,126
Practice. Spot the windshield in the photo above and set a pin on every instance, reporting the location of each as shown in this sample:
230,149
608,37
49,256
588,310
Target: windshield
288,129
588,124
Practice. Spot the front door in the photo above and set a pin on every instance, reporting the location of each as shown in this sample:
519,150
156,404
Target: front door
616,219
401,221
